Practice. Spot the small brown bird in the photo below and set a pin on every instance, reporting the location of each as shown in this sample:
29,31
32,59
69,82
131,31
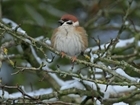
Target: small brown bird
69,38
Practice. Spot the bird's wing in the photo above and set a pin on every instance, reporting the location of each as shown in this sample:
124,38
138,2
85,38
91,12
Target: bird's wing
84,36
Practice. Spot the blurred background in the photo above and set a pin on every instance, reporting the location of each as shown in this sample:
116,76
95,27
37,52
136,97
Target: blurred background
101,19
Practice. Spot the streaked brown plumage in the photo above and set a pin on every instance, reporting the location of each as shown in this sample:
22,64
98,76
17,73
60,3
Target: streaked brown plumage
69,37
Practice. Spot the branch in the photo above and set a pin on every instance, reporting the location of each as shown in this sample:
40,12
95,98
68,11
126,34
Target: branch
24,37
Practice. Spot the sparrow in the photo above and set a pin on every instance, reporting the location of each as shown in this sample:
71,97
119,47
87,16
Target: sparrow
69,38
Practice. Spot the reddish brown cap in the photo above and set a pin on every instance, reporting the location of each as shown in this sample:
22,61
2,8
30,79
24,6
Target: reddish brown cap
69,17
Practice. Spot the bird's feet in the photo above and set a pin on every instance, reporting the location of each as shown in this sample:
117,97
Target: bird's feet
73,58
63,54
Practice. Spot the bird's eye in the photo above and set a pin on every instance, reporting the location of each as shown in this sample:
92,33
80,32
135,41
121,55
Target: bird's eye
69,22
60,22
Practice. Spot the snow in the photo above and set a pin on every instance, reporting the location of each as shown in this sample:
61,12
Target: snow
110,90
120,103
123,43
39,38
13,24
33,93
72,84
121,72
48,42
4,94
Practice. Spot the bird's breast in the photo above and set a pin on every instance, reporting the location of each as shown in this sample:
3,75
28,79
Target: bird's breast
68,41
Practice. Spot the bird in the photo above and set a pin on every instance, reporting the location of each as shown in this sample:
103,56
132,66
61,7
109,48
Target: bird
69,38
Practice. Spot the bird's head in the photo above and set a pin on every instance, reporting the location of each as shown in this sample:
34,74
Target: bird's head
68,19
